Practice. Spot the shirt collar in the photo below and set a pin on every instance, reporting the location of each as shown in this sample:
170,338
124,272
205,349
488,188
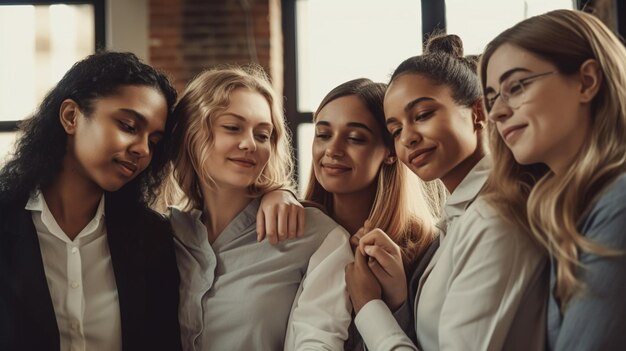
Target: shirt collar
467,190
37,203
195,231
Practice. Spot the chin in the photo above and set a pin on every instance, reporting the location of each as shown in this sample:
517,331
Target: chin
524,158
111,187
424,173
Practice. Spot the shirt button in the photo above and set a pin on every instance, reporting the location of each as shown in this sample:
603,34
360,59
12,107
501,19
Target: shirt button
74,285
74,250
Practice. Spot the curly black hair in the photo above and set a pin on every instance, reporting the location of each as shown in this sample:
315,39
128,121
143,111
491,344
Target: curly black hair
42,145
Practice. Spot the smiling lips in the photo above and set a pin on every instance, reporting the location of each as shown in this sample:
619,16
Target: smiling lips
509,134
335,168
243,162
420,157
128,168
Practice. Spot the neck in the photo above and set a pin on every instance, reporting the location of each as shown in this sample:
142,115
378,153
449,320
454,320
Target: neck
72,200
351,210
221,206
452,180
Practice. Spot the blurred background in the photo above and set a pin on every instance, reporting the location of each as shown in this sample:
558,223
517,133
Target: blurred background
307,46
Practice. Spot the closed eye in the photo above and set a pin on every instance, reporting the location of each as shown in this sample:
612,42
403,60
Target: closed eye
263,137
395,133
322,136
424,116
357,140
516,88
127,127
230,128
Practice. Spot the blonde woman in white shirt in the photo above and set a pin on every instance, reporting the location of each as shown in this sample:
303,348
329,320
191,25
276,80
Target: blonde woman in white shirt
238,293
484,287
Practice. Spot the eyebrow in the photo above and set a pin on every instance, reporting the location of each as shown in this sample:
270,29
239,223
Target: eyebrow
141,119
244,119
409,106
506,76
349,124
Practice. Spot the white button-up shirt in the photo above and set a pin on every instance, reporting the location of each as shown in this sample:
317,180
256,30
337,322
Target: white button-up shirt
80,279
484,289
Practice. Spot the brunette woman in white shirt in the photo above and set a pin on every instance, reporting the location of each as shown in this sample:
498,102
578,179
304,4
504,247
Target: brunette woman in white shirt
484,289
356,177
238,293
84,264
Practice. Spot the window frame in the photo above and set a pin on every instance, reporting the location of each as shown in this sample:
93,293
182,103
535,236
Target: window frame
433,19
99,30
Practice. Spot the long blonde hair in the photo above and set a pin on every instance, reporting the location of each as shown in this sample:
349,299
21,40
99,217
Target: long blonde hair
532,196
400,207
204,98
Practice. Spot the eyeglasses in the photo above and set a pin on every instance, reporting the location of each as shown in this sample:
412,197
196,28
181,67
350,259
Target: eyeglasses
513,93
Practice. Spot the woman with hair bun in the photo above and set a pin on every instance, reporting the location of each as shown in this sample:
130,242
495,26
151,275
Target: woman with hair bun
484,288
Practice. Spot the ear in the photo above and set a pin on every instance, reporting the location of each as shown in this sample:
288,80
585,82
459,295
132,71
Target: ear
590,79
390,159
68,115
478,114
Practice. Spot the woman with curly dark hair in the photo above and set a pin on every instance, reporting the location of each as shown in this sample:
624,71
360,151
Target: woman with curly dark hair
84,263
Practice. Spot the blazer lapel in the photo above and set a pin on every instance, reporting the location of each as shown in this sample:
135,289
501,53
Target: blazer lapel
127,266
29,284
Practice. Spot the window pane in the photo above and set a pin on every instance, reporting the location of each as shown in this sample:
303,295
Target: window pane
479,21
38,45
341,40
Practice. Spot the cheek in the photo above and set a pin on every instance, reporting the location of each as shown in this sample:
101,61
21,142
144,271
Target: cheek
401,151
265,151
145,162
317,150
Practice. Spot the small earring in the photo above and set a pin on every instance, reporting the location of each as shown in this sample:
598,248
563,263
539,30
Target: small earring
479,125
390,160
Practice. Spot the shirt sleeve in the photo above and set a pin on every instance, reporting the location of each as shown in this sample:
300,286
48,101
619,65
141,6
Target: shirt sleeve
495,267
380,330
596,319
321,313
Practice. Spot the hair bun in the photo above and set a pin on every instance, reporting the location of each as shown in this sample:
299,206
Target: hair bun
449,44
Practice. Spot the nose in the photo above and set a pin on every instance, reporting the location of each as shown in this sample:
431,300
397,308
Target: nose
247,142
141,147
409,137
499,111
334,149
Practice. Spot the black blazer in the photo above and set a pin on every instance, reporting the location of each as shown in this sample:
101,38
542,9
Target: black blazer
144,264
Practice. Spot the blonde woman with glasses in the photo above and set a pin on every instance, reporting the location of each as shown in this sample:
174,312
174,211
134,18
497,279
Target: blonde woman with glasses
555,91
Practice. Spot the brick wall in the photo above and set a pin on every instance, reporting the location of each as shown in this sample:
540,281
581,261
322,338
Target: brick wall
187,36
